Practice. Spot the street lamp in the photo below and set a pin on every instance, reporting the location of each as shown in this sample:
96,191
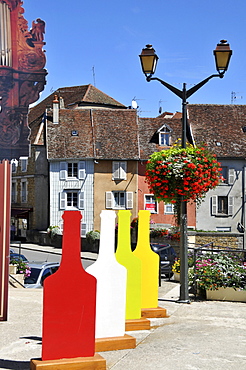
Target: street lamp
149,61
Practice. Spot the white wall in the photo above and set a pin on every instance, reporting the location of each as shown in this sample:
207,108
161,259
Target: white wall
57,186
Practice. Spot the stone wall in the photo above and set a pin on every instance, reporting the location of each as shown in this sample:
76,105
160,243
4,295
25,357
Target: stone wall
219,239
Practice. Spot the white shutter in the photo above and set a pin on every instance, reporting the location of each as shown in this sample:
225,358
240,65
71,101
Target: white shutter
116,171
81,200
230,205
109,199
63,200
63,170
231,176
81,170
122,170
83,229
129,199
214,204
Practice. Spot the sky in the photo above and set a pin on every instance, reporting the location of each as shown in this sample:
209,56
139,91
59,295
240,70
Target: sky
98,42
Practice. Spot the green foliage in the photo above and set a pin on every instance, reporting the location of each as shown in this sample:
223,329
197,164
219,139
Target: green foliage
91,236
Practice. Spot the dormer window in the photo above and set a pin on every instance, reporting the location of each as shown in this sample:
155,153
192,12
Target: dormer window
164,135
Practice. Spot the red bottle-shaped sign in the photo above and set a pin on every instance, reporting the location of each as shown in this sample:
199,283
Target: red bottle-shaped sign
69,301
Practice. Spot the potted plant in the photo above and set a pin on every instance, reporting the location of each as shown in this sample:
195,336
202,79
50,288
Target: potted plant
176,270
182,173
219,274
22,270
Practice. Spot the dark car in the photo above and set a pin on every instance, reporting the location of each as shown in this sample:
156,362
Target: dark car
167,258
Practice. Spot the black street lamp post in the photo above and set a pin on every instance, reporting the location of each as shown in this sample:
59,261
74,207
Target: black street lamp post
149,61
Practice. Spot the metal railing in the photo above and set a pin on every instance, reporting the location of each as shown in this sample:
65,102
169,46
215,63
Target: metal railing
210,247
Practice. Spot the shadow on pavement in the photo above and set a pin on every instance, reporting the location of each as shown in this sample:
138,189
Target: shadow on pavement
14,365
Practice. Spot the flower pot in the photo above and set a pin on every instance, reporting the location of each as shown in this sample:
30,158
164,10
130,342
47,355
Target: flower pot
12,269
176,276
226,294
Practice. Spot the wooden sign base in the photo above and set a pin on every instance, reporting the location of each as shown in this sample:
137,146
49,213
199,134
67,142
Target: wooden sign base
96,362
115,343
156,312
137,324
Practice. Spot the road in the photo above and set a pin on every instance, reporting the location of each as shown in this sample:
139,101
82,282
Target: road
39,254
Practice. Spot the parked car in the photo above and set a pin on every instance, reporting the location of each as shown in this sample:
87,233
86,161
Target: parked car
39,272
167,257
17,257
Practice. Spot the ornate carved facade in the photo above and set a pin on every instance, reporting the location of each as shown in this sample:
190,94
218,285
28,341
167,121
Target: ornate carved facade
22,76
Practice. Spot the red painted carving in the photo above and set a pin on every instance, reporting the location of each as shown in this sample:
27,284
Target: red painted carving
21,81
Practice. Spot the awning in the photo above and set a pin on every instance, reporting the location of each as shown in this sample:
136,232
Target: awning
21,212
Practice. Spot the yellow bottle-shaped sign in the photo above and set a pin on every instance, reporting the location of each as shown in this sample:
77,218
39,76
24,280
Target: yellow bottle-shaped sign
150,262
132,263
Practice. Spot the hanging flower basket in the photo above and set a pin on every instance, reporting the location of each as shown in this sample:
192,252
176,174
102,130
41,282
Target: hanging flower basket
182,172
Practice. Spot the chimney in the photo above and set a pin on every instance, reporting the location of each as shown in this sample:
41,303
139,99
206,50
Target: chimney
56,110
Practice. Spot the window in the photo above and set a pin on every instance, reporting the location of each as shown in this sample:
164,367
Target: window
164,136
119,171
223,228
119,199
23,191
150,204
14,192
14,164
222,205
83,228
169,208
23,163
228,175
72,170
71,200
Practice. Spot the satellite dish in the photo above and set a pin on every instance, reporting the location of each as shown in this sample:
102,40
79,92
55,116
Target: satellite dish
134,104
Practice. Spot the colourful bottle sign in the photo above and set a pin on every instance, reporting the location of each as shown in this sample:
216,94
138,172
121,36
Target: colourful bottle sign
132,263
69,301
111,282
150,262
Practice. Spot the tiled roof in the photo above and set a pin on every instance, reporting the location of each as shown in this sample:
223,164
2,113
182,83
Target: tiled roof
102,134
148,137
220,127
72,95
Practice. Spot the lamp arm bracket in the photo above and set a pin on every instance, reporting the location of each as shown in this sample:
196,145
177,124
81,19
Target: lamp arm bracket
170,87
200,84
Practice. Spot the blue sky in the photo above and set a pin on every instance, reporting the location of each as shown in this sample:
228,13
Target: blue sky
108,36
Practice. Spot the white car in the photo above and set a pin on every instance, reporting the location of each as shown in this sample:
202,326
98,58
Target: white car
39,272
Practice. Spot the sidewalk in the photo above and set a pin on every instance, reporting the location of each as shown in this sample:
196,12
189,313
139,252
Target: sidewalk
201,335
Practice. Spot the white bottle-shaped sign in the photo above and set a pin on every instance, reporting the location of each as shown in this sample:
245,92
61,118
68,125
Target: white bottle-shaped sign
111,282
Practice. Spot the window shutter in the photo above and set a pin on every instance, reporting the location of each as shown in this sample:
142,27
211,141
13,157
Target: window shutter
122,170
116,171
230,205
129,199
61,227
231,176
83,229
63,170
82,170
214,204
63,200
81,200
109,199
